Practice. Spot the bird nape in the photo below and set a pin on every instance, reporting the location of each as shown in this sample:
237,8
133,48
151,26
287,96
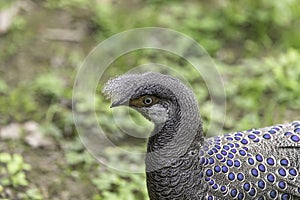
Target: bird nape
181,164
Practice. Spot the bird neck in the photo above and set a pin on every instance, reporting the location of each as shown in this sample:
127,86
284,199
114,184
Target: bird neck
174,138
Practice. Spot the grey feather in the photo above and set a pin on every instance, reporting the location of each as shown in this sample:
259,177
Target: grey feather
182,164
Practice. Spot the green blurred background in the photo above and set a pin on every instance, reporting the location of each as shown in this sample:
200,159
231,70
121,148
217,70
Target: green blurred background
255,45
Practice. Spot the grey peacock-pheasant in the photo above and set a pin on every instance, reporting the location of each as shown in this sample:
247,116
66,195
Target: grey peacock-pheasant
181,164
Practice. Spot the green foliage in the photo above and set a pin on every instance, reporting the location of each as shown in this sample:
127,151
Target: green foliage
242,28
32,194
4,4
3,87
67,4
13,174
11,43
13,169
48,87
77,155
259,38
15,102
115,186
260,92
286,73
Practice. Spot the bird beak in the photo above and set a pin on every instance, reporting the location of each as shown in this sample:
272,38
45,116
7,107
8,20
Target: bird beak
119,103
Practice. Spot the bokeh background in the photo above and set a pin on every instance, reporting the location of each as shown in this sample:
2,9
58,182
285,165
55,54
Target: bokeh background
255,45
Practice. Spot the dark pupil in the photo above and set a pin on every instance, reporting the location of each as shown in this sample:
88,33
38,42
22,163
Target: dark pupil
148,100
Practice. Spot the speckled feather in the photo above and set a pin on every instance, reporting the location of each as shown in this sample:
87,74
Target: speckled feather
255,164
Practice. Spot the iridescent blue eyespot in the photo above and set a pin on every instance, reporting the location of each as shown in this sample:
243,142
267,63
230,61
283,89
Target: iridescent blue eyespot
219,156
224,169
251,161
251,136
229,163
209,172
202,160
282,185
210,198
229,138
285,196
267,136
281,172
256,140
246,187
223,188
226,147
240,176
277,128
223,152
215,186
231,145
271,178
261,184
233,150
297,130
231,176
254,172
240,196
245,148
237,138
230,155
288,133
215,150
256,132
218,146
273,194
201,153
206,161
242,152
293,172
217,169
295,138
270,161
237,163
233,192
236,145
210,152
211,182
201,175
211,160
238,134
252,192
272,131
284,162
259,158
261,168
244,141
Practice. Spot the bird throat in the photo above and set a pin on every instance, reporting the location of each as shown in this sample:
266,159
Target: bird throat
172,140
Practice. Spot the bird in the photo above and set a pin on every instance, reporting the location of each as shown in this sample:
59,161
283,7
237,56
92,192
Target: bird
183,164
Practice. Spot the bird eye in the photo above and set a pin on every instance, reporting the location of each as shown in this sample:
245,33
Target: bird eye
147,100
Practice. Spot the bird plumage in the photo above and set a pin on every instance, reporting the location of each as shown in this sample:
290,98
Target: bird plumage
182,164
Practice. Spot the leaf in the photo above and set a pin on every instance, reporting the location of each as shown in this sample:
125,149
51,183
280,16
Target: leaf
5,157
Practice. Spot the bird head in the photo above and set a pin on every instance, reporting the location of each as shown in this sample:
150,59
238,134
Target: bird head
165,101
151,94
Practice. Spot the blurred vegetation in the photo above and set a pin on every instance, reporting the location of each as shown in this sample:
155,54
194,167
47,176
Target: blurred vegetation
255,45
